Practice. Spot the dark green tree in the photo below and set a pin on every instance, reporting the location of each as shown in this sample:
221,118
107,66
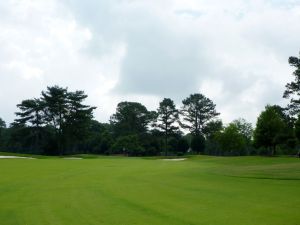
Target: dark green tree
182,146
60,115
68,115
292,91
56,107
2,124
131,118
197,111
232,140
2,128
297,128
244,128
269,127
127,145
198,143
77,119
99,138
31,114
212,127
167,116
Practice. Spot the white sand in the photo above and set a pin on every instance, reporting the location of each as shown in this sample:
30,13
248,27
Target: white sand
14,157
178,159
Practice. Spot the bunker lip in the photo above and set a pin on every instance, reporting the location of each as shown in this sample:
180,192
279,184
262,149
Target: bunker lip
14,157
177,159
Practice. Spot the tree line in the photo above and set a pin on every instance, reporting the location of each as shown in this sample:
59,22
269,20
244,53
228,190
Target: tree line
59,122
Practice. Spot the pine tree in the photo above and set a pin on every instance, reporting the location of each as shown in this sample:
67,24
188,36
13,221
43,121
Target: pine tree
167,116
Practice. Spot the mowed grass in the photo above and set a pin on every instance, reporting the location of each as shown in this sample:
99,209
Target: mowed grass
115,190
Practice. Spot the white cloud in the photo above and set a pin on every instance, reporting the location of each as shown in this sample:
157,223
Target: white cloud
234,51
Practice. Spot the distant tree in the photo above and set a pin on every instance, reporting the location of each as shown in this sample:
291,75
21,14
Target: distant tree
182,145
128,145
2,124
151,142
198,143
167,116
78,118
297,128
292,91
197,111
131,118
99,138
55,99
68,115
269,127
232,140
172,144
286,139
244,128
32,114
212,127
60,115
2,128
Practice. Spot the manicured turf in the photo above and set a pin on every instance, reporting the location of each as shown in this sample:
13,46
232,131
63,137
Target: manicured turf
110,190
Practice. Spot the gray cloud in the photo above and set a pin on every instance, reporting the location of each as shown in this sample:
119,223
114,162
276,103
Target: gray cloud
235,52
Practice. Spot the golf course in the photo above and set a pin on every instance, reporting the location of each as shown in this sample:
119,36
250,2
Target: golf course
130,190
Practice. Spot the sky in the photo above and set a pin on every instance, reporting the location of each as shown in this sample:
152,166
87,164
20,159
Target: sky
235,52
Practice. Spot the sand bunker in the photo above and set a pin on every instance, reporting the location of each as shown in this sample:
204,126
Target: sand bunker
14,157
178,159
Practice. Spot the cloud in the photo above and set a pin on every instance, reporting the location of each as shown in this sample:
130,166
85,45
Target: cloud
235,52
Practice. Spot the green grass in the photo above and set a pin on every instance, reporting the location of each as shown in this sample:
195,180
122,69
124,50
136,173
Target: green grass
115,190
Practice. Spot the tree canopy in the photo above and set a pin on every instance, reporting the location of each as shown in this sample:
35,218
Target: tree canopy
167,116
59,122
59,110
292,91
197,111
131,118
269,127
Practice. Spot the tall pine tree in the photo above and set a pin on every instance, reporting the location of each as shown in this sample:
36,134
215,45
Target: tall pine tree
167,116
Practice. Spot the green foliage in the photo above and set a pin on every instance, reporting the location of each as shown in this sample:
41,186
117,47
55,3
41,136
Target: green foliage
297,128
167,115
269,127
131,118
2,124
58,119
212,127
232,140
292,91
198,143
31,113
127,145
197,111
244,128
182,146
99,138
2,132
